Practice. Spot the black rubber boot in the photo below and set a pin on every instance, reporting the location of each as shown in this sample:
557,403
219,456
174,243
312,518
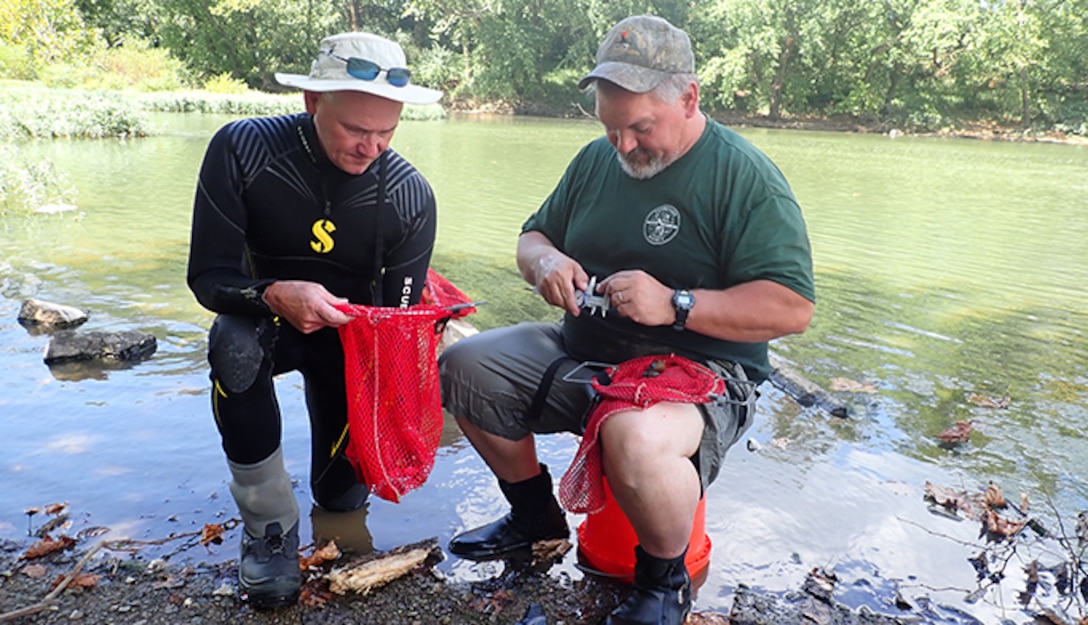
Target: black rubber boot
534,515
269,573
660,594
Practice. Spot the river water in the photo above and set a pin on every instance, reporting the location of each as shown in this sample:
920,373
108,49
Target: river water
948,272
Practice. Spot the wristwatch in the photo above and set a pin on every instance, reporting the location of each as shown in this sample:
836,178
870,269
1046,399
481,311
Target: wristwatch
683,301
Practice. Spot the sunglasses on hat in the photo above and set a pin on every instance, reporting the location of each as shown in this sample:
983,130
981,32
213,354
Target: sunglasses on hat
369,70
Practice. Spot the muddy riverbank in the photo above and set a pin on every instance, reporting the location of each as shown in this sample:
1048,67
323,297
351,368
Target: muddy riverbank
111,587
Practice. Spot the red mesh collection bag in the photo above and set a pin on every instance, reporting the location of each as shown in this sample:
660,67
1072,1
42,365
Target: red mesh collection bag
394,399
633,384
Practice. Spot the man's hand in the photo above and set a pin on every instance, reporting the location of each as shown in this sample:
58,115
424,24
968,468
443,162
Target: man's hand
639,296
307,306
553,274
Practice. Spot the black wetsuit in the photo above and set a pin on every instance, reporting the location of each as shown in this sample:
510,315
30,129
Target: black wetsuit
270,206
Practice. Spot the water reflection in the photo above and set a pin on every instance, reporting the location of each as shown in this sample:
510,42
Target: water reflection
944,269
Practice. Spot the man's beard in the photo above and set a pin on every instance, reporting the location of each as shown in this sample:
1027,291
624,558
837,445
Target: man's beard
636,168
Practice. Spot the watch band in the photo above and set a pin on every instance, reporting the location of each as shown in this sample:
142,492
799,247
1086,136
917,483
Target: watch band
683,301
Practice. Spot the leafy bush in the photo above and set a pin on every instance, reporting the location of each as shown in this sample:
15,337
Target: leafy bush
15,62
225,84
25,187
141,67
133,66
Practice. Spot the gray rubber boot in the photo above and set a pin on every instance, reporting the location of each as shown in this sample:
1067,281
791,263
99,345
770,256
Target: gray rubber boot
268,572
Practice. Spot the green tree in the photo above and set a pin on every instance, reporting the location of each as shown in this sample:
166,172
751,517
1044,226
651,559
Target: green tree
120,20
249,39
37,33
751,59
1037,51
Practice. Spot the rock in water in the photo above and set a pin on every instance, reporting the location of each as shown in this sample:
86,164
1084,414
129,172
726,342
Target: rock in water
39,312
69,346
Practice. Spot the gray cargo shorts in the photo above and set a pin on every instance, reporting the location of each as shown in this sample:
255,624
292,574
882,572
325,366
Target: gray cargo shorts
491,379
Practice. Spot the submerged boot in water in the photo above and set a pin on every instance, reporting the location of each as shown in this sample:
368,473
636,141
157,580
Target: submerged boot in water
534,515
660,594
268,572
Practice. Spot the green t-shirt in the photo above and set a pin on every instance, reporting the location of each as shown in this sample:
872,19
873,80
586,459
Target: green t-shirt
721,215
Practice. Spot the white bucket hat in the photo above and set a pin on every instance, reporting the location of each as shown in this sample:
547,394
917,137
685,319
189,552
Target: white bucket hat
329,71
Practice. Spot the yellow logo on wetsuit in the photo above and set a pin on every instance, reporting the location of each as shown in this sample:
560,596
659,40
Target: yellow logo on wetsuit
321,230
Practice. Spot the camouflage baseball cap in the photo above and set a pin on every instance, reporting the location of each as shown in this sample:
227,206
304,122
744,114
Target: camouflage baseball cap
640,52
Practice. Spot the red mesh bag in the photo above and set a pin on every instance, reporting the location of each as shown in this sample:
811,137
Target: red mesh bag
438,291
633,384
394,399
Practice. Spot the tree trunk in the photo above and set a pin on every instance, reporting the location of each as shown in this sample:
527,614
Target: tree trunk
356,15
780,78
468,61
1025,99
893,87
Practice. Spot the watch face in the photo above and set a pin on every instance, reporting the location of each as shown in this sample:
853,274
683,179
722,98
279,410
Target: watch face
684,299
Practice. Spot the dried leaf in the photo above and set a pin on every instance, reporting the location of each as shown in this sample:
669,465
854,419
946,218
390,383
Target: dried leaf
81,580
328,553
989,402
47,545
170,581
959,432
550,550
314,597
1001,526
955,501
943,496
1032,571
34,571
52,508
212,533
994,498
85,580
852,386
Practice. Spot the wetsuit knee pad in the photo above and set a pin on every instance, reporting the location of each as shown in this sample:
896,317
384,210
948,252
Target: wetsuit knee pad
235,351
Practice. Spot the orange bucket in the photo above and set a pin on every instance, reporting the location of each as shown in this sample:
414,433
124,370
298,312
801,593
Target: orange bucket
606,541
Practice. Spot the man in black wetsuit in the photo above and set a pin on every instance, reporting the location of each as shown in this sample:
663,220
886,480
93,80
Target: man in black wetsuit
294,215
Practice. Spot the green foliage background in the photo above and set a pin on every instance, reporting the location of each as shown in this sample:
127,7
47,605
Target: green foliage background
914,64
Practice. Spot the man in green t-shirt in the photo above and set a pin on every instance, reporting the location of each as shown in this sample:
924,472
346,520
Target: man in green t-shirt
669,235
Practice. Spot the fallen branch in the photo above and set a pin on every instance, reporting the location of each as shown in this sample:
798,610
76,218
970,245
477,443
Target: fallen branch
373,571
804,391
